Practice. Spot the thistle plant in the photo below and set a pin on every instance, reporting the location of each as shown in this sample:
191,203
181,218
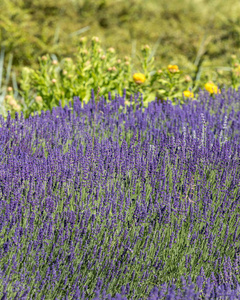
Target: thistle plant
94,67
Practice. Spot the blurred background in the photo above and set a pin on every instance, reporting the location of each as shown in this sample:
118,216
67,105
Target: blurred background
190,33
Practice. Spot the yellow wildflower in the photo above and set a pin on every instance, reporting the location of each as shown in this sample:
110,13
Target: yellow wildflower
211,88
188,94
173,68
139,77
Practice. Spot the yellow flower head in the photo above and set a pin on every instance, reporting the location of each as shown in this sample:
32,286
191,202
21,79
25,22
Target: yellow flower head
139,77
188,94
212,88
173,68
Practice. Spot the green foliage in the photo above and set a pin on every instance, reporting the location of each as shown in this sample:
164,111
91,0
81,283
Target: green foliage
95,68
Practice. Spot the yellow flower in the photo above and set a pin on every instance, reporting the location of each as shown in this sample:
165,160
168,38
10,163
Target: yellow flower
173,68
188,94
139,77
211,88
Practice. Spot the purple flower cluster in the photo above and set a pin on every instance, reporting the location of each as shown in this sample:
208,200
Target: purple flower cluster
147,209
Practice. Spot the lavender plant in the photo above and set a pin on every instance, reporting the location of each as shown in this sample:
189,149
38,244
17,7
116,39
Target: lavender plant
150,210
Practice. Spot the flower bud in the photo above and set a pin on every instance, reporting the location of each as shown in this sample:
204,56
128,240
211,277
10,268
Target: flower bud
54,80
114,69
233,56
84,51
88,62
95,39
68,59
9,89
38,99
236,65
145,48
110,69
111,50
159,71
83,40
119,61
220,72
103,57
126,58
12,102
187,78
54,62
44,57
64,72
127,63
99,50
8,97
16,107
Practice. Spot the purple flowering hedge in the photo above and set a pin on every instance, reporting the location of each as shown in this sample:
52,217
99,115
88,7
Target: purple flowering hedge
147,209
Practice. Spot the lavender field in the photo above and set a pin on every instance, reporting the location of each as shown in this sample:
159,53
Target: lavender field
113,202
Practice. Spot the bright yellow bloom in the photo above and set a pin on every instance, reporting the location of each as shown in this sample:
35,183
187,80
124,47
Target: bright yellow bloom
212,88
188,94
139,77
173,68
